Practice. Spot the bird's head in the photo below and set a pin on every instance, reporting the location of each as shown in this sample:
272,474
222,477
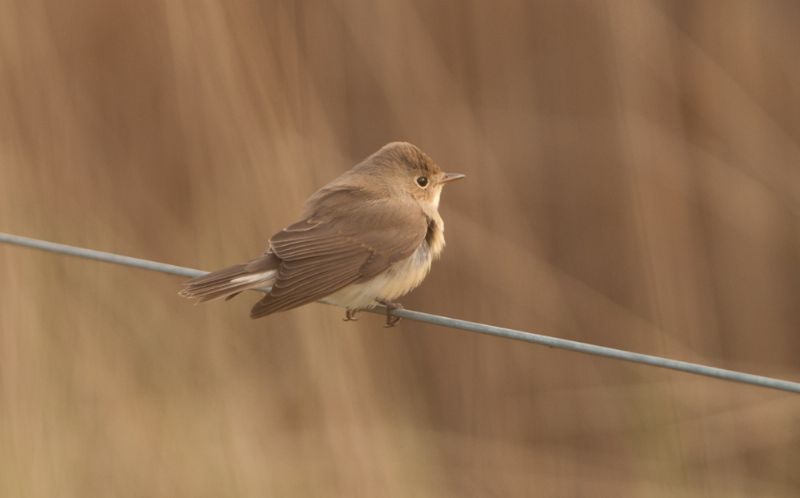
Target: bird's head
400,167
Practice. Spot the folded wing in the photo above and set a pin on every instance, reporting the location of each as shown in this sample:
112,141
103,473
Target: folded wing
346,239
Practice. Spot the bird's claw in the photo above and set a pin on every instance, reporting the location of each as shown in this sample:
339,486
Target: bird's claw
350,316
391,320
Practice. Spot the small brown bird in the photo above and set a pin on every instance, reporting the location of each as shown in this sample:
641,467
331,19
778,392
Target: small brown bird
366,238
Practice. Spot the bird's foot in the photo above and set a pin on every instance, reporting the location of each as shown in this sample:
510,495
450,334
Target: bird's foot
391,320
350,315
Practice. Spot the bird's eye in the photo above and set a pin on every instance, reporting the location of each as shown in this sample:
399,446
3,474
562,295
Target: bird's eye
422,181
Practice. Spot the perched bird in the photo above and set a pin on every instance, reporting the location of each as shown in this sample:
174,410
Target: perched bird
366,238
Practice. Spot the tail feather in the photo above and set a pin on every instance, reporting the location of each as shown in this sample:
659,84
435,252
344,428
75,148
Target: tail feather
230,281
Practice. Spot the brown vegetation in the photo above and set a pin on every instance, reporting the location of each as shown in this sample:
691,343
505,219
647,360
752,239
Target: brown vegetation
633,181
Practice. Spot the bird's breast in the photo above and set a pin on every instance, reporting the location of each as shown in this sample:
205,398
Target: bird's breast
397,280
434,238
405,275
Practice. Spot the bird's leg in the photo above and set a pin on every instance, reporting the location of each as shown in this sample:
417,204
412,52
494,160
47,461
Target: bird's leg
350,315
391,320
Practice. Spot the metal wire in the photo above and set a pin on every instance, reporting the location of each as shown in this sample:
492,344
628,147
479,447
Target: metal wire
481,328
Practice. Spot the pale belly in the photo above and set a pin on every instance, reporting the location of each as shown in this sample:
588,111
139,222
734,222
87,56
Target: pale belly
398,280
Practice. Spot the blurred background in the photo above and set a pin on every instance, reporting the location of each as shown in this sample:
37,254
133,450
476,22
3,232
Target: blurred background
633,181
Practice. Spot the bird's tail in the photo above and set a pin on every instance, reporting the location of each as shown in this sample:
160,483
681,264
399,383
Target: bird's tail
230,281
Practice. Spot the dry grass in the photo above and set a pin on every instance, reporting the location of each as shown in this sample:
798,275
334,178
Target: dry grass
633,181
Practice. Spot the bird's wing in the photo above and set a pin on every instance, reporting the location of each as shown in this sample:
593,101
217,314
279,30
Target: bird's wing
340,243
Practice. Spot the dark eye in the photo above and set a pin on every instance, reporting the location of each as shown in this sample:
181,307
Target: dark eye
422,181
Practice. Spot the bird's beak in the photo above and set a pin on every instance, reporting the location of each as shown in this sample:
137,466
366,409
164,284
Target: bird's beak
451,177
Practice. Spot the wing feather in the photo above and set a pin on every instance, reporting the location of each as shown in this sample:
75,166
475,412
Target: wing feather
302,295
